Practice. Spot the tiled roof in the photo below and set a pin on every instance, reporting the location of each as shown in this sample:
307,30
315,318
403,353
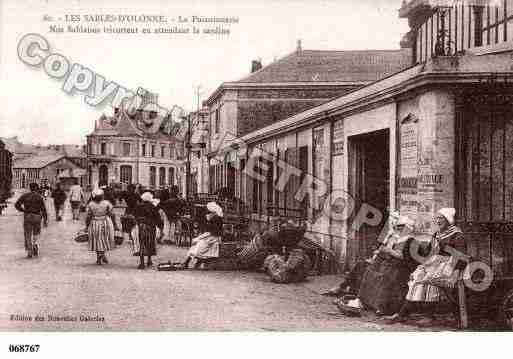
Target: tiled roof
115,126
73,151
332,66
38,161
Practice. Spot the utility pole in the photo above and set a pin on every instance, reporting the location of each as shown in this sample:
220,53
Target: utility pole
188,176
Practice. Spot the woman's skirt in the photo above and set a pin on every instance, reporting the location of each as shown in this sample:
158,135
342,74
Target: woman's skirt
101,235
147,239
206,246
437,267
384,284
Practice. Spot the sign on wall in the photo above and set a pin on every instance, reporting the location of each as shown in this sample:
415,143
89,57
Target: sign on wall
409,168
338,138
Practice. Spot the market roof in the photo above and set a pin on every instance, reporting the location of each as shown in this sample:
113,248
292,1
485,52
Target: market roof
37,161
472,67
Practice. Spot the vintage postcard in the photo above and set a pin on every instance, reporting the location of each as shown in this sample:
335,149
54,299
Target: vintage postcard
290,166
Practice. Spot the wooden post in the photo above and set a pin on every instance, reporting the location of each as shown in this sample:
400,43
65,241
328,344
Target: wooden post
462,304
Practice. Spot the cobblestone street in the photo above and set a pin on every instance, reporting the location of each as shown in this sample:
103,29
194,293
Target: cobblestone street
65,281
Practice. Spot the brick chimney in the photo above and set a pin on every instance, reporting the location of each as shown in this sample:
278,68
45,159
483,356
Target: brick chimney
256,65
299,48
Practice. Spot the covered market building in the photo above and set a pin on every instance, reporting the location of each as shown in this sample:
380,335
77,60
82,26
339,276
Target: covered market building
438,134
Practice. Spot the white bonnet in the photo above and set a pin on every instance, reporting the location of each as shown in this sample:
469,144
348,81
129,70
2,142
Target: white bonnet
215,208
147,197
449,214
97,192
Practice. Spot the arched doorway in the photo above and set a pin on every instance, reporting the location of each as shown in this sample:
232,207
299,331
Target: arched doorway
103,179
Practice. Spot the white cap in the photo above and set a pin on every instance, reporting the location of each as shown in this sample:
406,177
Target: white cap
147,197
215,208
449,214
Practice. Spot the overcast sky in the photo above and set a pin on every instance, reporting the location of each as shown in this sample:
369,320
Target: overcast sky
35,108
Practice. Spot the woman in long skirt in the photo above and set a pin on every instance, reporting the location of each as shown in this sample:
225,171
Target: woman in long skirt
441,264
100,226
148,220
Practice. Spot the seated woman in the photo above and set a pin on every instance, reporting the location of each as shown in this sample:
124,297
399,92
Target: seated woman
206,246
384,282
352,281
441,263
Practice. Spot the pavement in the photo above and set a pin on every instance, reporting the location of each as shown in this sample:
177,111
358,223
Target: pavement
64,290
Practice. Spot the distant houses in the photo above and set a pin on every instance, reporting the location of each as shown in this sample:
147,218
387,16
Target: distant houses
47,168
50,163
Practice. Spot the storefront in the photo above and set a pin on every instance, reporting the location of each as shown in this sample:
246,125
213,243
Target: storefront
417,141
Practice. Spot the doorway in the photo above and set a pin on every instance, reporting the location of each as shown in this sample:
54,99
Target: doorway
103,179
369,184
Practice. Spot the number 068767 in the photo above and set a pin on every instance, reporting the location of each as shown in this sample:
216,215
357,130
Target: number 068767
23,348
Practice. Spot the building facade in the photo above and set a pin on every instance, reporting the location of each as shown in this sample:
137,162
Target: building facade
434,135
299,81
121,151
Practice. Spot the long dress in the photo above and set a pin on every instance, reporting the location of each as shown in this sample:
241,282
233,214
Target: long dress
207,244
100,228
440,264
385,282
148,219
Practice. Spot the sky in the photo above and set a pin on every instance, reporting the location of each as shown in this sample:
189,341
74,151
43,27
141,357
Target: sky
37,110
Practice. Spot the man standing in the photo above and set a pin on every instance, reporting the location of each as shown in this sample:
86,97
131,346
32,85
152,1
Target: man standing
59,197
76,196
33,207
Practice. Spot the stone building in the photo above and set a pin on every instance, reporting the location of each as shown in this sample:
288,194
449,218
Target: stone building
437,134
300,80
122,150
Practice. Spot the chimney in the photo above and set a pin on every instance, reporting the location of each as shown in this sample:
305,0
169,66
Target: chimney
256,65
299,48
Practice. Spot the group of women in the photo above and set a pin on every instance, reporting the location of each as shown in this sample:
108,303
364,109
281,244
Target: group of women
401,276
398,277
148,225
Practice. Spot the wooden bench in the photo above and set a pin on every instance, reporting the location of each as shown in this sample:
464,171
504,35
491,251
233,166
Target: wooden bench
457,296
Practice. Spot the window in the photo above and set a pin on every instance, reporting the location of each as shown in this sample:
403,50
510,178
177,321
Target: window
216,121
143,149
478,26
162,176
126,174
153,176
172,151
152,150
171,176
126,149
103,148
162,151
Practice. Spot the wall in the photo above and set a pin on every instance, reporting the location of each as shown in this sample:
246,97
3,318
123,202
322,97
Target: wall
433,187
260,108
227,105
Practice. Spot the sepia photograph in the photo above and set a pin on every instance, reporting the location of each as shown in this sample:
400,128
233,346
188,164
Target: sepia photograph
288,166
